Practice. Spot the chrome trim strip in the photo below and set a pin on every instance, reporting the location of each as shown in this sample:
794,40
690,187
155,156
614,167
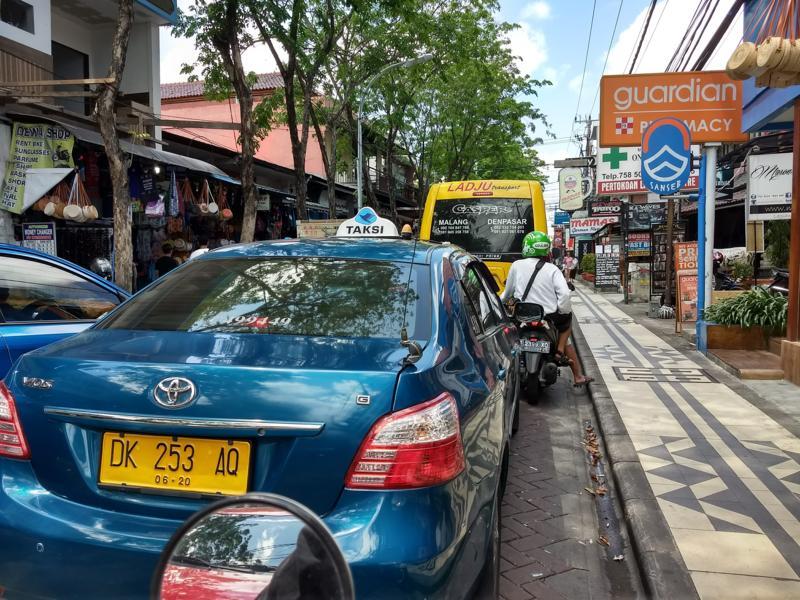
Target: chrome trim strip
92,415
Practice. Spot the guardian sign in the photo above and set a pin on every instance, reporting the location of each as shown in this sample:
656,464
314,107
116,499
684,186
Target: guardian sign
666,156
709,102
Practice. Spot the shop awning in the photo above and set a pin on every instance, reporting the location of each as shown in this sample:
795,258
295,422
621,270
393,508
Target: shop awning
160,156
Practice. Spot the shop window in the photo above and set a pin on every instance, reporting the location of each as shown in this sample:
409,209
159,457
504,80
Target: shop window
18,14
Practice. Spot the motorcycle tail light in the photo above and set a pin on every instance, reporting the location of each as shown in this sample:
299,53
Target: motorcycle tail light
412,448
12,440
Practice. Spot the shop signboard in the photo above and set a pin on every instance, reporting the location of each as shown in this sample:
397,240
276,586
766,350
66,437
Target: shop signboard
40,236
607,266
638,244
570,189
318,229
769,188
588,225
686,282
666,156
34,146
641,217
708,101
561,217
619,171
605,207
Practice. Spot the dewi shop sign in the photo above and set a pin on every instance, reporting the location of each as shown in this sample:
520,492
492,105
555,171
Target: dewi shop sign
589,225
708,101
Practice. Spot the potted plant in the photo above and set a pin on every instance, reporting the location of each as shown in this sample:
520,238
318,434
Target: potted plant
745,322
588,264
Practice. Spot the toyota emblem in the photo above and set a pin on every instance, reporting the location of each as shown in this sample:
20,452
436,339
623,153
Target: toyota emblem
174,392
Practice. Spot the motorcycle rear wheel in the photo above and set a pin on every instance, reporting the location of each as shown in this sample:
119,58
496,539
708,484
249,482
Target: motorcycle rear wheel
533,388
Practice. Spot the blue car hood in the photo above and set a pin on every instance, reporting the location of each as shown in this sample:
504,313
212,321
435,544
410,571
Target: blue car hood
267,377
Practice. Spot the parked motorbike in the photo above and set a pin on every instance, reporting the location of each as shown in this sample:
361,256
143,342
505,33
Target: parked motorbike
723,281
538,340
780,282
254,547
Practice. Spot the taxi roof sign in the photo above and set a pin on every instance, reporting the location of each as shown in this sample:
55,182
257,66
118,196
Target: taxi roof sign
367,223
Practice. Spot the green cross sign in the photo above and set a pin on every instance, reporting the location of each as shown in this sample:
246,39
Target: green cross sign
615,157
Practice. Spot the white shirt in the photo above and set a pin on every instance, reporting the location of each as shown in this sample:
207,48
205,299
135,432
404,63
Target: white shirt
549,290
198,252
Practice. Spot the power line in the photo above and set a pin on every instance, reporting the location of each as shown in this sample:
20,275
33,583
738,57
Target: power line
585,63
655,29
608,53
644,34
722,31
692,46
630,56
692,23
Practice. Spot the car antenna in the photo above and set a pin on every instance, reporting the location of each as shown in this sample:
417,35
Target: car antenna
414,349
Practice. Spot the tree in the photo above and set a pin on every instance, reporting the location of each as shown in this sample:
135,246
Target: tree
107,120
221,34
300,35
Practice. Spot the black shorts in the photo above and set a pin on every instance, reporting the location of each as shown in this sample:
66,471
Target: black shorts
561,322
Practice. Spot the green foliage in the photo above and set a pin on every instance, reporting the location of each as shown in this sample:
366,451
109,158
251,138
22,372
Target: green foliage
588,263
755,308
777,239
740,269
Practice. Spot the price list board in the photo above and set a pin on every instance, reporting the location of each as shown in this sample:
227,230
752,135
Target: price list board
607,270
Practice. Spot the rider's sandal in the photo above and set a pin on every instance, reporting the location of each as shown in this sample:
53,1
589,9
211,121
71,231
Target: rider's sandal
580,384
562,359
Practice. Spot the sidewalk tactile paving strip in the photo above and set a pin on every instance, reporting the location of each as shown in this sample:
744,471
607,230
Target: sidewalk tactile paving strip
725,474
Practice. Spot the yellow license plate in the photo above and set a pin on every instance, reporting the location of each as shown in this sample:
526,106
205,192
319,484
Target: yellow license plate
175,464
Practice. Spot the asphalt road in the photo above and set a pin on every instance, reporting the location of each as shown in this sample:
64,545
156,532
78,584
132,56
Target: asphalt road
552,525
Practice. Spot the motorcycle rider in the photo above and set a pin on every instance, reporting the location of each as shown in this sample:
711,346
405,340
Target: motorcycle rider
546,286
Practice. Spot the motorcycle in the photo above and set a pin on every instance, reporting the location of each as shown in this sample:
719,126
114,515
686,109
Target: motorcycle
538,340
258,546
780,282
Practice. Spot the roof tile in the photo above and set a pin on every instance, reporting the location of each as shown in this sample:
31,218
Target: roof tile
194,89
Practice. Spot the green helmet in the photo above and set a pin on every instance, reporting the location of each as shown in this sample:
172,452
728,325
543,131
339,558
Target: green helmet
536,243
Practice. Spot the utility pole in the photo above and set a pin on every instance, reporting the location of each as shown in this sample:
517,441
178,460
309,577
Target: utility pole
669,265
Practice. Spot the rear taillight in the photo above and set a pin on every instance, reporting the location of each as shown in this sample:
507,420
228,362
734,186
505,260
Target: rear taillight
416,447
12,441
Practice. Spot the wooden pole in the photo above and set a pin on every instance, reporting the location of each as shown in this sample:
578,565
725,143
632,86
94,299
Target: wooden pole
793,324
670,235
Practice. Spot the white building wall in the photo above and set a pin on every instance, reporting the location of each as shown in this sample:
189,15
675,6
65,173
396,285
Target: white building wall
40,38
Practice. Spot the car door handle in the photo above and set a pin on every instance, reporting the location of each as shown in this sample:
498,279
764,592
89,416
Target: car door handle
501,374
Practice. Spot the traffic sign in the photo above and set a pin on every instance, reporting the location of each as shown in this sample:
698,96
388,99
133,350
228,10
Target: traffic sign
666,156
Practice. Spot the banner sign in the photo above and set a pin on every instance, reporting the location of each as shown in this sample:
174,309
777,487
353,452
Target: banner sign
769,189
619,171
666,156
561,218
638,244
318,229
589,225
558,237
34,146
602,208
641,217
40,236
686,281
709,102
570,189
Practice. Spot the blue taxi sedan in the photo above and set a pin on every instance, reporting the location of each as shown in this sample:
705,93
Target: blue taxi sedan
372,380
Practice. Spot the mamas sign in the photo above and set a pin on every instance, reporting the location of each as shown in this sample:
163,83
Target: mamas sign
708,101
590,225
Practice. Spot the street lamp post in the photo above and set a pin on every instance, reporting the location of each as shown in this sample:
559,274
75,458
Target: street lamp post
360,146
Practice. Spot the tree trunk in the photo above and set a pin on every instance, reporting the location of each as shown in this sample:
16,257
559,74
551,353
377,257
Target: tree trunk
107,120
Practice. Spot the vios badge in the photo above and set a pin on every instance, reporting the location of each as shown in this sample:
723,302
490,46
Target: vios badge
174,392
666,156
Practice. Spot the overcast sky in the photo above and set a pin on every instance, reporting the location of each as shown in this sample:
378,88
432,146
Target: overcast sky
551,42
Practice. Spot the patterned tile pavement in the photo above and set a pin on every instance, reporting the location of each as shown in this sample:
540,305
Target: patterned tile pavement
725,474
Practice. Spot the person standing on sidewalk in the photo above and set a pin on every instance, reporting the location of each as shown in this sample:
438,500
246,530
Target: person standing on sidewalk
570,266
549,289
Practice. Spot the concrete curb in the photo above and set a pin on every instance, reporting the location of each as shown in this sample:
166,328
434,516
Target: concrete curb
661,566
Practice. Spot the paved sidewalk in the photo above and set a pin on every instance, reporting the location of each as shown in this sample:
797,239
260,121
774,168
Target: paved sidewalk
550,526
726,474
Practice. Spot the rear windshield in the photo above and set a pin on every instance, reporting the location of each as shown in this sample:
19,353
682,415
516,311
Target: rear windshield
489,228
284,296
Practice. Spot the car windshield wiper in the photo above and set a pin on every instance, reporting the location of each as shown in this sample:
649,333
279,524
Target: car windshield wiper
199,562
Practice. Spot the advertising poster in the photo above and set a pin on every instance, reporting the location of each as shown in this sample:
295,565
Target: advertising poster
642,217
40,236
638,244
769,188
34,146
686,282
318,229
607,267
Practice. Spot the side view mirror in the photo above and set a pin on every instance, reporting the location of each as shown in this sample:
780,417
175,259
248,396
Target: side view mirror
254,547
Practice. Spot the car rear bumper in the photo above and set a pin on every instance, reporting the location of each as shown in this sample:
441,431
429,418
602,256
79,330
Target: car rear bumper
399,544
